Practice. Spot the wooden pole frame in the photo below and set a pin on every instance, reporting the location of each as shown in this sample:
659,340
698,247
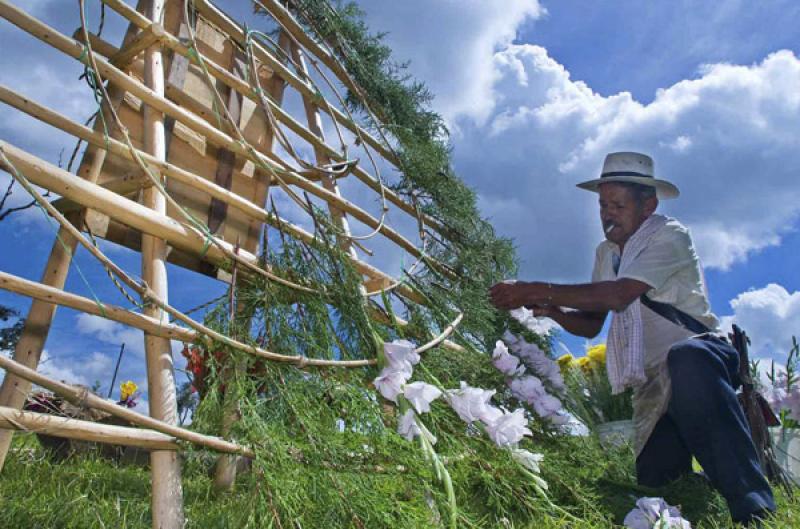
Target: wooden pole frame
158,229
82,397
224,76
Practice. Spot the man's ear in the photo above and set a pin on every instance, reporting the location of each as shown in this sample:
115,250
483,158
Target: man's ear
650,206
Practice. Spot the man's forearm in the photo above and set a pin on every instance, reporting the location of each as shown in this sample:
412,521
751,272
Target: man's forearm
578,322
592,297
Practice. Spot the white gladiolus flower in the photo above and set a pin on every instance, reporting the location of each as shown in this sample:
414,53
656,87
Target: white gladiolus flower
420,395
655,513
490,414
468,402
400,355
390,382
407,425
534,324
527,459
509,429
530,461
504,361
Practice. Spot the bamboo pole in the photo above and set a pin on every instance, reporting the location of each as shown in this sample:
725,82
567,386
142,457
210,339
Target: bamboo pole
75,50
149,36
55,296
42,423
82,397
323,156
229,26
165,467
253,211
40,315
212,13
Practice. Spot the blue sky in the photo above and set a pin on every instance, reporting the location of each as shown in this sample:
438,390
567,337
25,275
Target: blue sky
535,94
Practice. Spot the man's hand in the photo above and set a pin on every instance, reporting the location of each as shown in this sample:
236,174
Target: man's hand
509,296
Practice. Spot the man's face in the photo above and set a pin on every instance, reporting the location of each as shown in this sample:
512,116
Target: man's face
620,212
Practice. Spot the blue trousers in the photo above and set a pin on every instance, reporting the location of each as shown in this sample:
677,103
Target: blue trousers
705,420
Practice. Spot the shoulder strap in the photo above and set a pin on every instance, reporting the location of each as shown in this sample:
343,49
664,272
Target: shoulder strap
676,316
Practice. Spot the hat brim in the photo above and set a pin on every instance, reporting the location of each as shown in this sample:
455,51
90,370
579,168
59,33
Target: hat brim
664,190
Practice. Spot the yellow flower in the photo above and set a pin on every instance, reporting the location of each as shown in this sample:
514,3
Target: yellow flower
584,363
597,353
565,361
127,389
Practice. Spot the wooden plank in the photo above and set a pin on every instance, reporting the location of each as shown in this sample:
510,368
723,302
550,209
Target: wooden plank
218,210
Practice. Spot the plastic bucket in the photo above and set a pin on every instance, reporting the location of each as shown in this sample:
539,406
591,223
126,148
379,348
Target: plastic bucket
615,433
787,450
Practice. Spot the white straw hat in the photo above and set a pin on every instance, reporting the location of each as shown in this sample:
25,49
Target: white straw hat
634,168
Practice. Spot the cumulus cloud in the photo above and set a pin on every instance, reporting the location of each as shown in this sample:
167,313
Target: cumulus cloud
451,45
770,316
115,333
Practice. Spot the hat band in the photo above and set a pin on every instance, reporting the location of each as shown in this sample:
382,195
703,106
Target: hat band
625,173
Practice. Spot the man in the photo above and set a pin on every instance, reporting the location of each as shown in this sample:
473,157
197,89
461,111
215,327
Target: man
683,385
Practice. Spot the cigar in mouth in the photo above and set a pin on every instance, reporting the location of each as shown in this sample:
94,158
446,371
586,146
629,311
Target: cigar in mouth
609,228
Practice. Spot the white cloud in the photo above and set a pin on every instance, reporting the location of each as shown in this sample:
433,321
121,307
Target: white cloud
770,316
451,44
62,369
111,332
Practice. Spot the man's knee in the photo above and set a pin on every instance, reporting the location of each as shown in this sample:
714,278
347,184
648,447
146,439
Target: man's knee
686,356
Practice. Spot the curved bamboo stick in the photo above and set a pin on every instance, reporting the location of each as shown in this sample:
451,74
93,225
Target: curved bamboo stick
212,13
